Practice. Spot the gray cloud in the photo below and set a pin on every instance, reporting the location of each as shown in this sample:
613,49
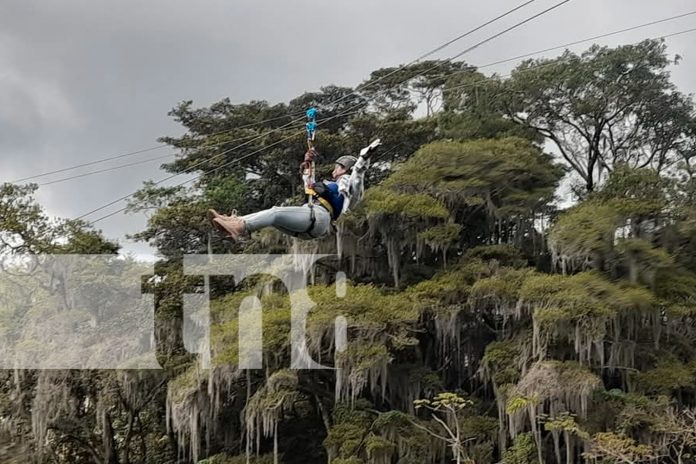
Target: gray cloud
81,79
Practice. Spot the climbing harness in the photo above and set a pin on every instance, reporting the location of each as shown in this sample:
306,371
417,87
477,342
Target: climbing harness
323,201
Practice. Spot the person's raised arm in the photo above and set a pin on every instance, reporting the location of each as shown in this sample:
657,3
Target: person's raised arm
352,186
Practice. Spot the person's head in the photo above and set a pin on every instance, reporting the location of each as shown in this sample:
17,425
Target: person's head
343,166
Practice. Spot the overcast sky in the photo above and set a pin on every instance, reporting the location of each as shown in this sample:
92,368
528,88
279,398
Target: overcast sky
82,80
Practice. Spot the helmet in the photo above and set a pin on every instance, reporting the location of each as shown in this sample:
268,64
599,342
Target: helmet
347,161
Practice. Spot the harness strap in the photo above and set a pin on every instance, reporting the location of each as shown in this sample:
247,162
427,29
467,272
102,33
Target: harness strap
312,219
312,195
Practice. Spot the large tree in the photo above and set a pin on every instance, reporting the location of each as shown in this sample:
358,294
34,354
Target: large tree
603,107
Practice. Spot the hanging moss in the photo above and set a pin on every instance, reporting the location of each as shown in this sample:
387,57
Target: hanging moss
362,365
500,292
350,460
379,450
555,384
441,237
642,259
182,385
562,304
188,410
403,441
225,328
584,309
582,234
265,409
506,181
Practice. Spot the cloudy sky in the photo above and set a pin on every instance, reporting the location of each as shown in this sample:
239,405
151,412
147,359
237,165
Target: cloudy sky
83,80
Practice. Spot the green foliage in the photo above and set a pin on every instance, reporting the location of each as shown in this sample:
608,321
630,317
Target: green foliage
450,286
226,459
185,384
460,194
508,176
667,377
25,228
523,451
480,427
585,296
584,232
563,422
506,255
500,291
363,357
457,205
515,404
613,447
348,431
676,285
380,201
501,362
364,306
225,327
580,101
401,90
440,236
645,252
225,193
472,110
635,193
442,401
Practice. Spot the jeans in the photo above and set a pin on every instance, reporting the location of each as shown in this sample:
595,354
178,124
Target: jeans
291,220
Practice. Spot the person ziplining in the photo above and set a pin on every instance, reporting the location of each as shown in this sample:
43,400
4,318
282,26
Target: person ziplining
326,200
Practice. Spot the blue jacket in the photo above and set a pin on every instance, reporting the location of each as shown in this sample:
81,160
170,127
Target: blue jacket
334,197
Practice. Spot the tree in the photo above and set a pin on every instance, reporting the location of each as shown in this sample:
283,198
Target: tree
603,107
450,406
403,89
449,285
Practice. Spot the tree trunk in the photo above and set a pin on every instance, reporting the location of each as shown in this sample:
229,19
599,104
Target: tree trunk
557,445
110,451
127,440
569,447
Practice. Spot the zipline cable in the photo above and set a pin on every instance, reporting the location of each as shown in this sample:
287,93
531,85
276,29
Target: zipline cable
475,46
138,152
448,89
296,118
542,65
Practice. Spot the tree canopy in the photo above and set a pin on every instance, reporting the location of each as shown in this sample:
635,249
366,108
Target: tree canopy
485,324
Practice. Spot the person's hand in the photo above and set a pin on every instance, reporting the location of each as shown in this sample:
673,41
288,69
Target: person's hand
309,156
368,150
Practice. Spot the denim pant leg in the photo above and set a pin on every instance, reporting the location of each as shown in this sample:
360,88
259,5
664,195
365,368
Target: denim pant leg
291,220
